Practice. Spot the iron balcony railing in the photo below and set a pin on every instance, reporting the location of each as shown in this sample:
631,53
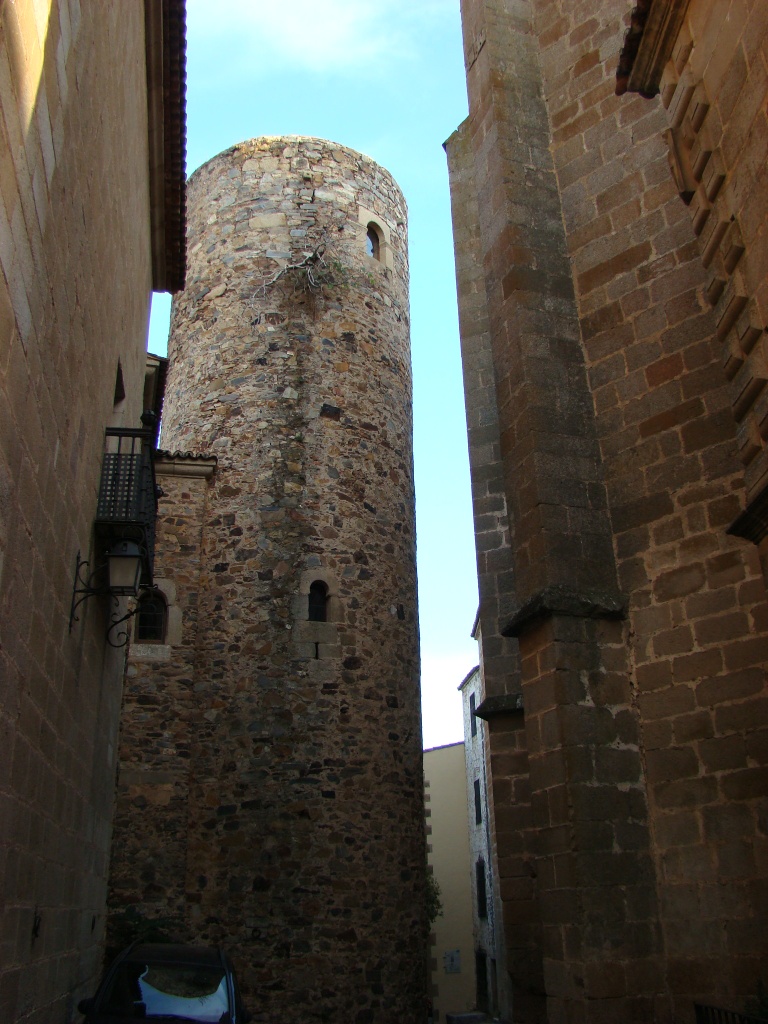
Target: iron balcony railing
714,1015
127,506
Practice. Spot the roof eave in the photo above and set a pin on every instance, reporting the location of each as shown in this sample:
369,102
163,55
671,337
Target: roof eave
165,22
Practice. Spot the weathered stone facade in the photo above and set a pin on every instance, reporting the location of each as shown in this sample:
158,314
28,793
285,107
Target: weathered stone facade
488,940
270,770
602,293
78,208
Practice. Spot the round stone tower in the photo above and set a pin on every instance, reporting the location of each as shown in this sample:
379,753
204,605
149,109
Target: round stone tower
289,361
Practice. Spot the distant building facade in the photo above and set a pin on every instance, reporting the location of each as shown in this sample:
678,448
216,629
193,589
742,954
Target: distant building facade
452,949
91,221
485,908
611,237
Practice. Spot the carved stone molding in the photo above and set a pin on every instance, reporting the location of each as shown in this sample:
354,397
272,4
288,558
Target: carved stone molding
503,704
648,45
560,600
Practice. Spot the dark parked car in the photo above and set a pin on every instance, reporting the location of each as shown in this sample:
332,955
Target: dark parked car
154,981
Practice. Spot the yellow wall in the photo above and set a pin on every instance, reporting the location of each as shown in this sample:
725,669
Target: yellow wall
445,781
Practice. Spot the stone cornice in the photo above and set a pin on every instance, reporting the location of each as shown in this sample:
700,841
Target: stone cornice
504,704
559,600
648,45
184,464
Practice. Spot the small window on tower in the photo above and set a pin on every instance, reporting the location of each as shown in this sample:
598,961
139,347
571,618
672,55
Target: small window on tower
373,242
318,602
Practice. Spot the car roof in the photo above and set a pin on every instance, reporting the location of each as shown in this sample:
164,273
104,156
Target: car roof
173,953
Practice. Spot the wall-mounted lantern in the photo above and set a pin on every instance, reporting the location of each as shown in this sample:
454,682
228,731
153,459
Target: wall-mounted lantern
124,562
124,526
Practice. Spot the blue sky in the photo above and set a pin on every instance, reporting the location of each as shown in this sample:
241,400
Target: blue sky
385,77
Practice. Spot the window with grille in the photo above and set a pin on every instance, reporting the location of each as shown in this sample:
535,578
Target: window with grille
151,619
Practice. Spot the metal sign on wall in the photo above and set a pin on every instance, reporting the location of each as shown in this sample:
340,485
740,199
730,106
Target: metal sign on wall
452,961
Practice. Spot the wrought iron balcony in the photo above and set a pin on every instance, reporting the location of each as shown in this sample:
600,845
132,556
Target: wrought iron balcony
127,507
714,1015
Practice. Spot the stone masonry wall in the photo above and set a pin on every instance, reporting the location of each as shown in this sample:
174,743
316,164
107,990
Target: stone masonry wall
489,503
645,750
304,848
74,297
564,566
519,979
714,89
668,439
157,728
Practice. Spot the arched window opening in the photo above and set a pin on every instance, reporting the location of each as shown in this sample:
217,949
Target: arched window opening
151,619
373,242
119,385
318,602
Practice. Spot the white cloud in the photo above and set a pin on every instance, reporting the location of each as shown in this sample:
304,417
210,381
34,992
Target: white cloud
323,36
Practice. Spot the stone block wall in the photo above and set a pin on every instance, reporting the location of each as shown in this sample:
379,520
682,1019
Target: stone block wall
518,939
303,850
489,502
75,280
713,89
643,736
519,924
161,712
663,410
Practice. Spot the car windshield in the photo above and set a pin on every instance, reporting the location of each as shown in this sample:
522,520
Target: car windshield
182,991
